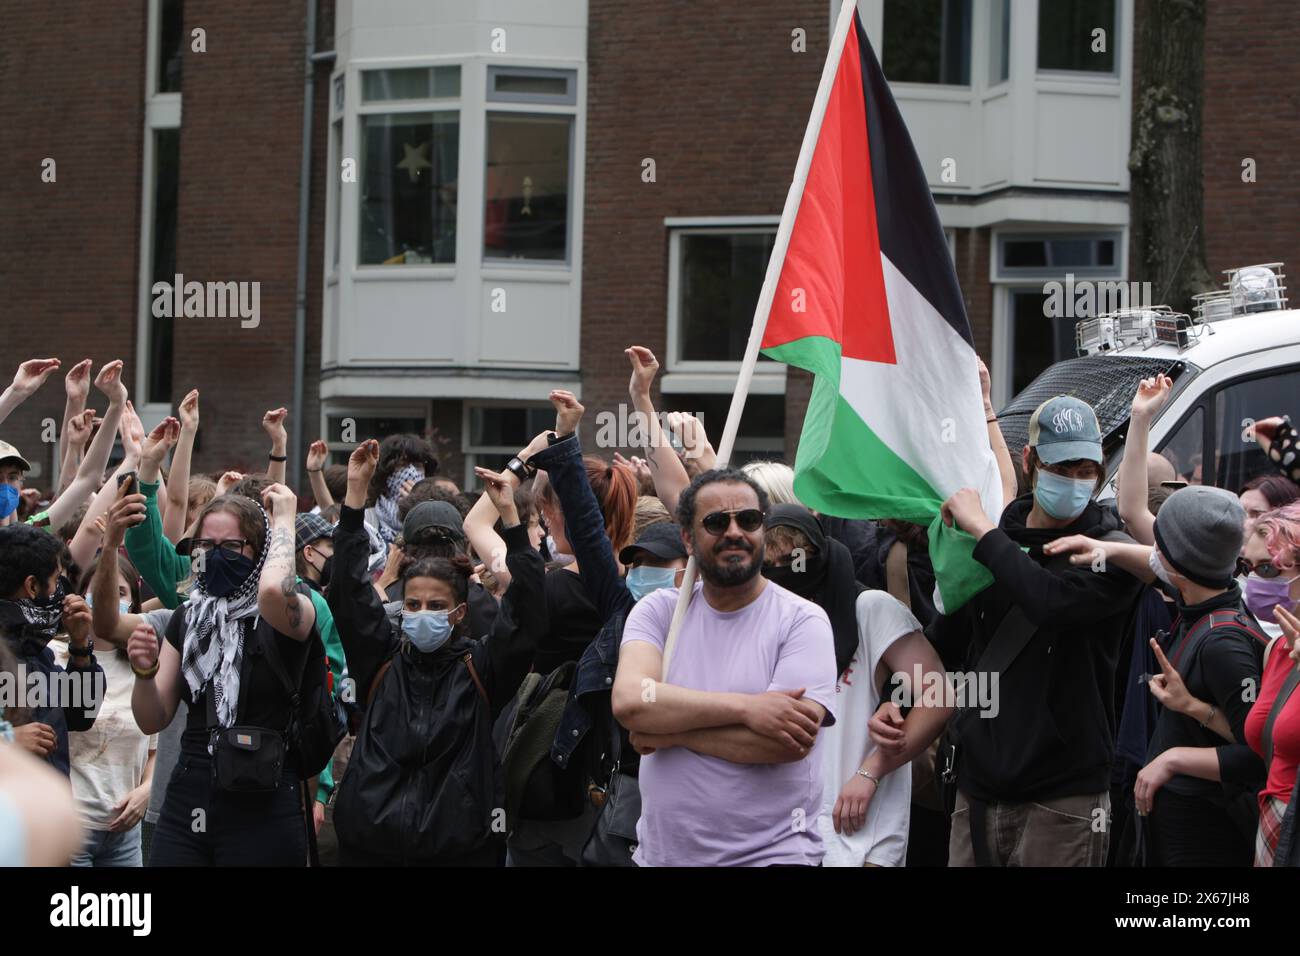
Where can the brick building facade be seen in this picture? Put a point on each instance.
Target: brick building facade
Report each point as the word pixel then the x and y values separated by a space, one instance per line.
pixel 716 96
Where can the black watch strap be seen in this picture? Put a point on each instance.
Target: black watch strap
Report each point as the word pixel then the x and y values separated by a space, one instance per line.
pixel 87 651
pixel 520 468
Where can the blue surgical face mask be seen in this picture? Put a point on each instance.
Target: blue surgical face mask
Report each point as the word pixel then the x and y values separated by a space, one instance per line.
pixel 427 630
pixel 123 605
pixel 644 580
pixel 1062 498
pixel 9 499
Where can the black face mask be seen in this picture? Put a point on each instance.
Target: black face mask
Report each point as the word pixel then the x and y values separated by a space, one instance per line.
pixel 326 572
pixel 788 578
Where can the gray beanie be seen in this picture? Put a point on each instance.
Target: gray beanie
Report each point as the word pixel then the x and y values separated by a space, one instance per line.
pixel 1199 532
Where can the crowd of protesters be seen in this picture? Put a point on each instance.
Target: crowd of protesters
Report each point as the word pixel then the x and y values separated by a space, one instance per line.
pixel 208 672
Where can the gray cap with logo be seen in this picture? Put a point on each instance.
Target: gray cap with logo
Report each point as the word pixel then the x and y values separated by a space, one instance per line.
pixel 1065 428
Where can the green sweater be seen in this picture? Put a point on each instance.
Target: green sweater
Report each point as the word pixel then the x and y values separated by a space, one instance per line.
pixel 162 569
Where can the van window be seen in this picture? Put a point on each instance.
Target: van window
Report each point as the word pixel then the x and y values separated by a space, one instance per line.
pixel 1238 457
pixel 1185 448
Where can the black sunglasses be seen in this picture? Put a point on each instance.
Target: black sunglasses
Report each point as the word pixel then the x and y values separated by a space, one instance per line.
pixel 1264 569
pixel 717 522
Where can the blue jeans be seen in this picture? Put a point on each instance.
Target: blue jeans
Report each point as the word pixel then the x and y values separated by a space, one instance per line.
pixel 111 848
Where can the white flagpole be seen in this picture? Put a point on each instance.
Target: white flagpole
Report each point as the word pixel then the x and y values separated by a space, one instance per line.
pixel 764 307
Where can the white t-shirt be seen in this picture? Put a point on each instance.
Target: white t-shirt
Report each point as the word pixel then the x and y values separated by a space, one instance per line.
pixel 882 619
pixel 108 759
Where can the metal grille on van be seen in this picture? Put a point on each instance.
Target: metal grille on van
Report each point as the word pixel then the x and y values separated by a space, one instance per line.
pixel 1106 382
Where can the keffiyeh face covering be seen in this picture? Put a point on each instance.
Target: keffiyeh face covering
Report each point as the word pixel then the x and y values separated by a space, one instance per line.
pixel 386 506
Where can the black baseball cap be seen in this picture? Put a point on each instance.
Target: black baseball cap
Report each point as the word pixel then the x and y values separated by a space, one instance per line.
pixel 663 540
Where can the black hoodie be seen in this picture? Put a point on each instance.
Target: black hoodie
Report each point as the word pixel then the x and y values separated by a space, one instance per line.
pixel 1054 731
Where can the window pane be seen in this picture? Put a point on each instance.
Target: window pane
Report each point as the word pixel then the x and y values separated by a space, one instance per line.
pixel 171 44
pixel 927 41
pixel 1037 340
pixel 508 426
pixel 1000 42
pixel 1237 459
pixel 1065 35
pixel 166 159
pixel 1071 252
pixel 418 83
pixel 762 423
pixel 1024 253
pixel 408 194
pixel 1185 448
pixel 721 277
pixel 414 84
pixel 534 85
pixel 527 209
pixel 336 132
pixel 364 428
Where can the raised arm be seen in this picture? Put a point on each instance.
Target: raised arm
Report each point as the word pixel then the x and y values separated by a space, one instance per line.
pixel 76 435
pixel 178 489
pixel 30 376
pixel 480 523
pixel 76 385
pixel 670 475
pixel 317 454
pixel 273 425
pixel 278 599
pixel 368 638
pixel 1006 467
pixel 1152 393
pixel 583 521
pixel 109 381
pixel 522 619
pixel 110 625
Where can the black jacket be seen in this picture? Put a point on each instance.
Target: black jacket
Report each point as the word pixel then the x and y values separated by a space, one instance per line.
pixel 1054 732
pixel 70 702
pixel 424 781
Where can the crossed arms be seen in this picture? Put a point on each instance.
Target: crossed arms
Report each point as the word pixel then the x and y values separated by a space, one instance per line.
pixel 771 727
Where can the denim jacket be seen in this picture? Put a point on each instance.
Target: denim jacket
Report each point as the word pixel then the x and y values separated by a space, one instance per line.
pixel 584 526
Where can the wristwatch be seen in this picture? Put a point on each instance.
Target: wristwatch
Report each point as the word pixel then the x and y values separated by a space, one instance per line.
pixel 523 470
pixel 87 651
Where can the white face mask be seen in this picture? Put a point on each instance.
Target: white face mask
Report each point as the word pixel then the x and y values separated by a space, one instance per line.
pixel 1158 568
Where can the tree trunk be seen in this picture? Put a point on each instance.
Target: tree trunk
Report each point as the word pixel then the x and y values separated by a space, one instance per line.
pixel 1167 203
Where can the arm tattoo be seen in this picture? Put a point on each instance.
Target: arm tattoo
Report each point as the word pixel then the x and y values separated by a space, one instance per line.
pixel 293 604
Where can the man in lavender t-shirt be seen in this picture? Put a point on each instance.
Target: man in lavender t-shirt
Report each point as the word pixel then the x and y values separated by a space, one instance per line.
pixel 732 772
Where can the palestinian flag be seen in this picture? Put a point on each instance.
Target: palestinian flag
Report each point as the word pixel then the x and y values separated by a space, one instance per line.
pixel 867 299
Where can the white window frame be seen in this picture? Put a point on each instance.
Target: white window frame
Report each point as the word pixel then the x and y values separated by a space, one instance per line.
pixel 162 112
pixel 1005 283
pixel 354 115
pixel 471 452
pixel 684 375
pixel 535 106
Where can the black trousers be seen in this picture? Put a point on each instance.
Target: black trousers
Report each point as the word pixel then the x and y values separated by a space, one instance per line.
pixel 202 827
pixel 1191 831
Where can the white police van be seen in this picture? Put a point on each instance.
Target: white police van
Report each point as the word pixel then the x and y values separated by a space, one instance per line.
pixel 1237 360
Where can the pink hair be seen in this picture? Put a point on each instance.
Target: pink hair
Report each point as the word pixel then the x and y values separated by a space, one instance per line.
pixel 1281 528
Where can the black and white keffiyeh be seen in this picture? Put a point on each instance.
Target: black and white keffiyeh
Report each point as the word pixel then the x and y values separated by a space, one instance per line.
pixel 386 505
pixel 213 644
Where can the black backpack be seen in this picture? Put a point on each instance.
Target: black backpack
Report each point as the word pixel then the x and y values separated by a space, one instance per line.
pixel 535 787
pixel 316 721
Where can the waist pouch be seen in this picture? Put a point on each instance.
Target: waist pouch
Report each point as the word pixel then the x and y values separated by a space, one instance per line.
pixel 247 759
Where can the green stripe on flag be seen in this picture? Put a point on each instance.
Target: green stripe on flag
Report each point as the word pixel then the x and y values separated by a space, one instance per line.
pixel 842 468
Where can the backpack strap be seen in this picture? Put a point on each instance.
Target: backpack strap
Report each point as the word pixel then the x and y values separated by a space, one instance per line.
pixel 292 691
pixel 1279 702
pixel 374 681
pixel 468 658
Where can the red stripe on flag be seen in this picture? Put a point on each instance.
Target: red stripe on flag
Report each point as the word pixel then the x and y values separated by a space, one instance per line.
pixel 832 267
